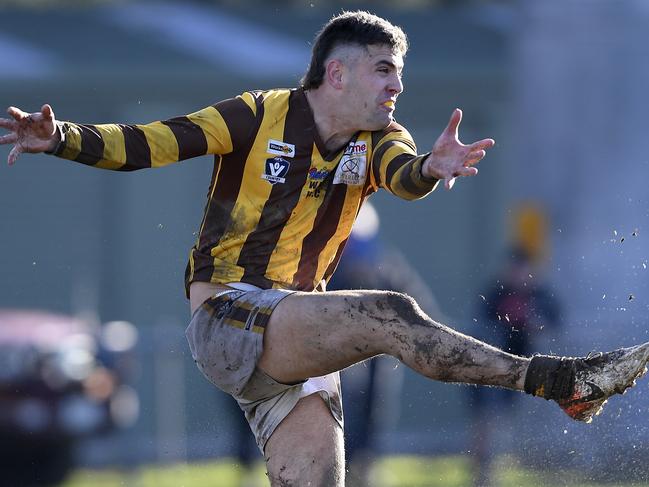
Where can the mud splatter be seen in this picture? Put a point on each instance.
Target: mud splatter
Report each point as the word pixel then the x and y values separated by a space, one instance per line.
pixel 443 354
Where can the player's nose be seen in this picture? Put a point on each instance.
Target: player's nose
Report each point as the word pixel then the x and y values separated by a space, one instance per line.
pixel 396 85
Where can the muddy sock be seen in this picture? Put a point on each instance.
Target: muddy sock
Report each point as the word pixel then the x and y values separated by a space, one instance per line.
pixel 550 377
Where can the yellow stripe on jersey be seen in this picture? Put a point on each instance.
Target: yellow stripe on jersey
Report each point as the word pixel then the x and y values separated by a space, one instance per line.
pixel 397 185
pixel 416 178
pixel 114 155
pixel 72 146
pixel 215 129
pixel 249 100
pixel 395 149
pixel 161 142
pixel 283 261
pixel 249 204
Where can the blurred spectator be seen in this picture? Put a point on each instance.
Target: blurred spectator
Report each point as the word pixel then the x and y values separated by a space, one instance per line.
pixel 372 388
pixel 63 379
pixel 517 310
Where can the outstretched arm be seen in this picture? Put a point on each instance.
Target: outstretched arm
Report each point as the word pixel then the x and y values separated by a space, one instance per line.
pixel 450 158
pixel 31 133
pixel 397 167
pixel 217 129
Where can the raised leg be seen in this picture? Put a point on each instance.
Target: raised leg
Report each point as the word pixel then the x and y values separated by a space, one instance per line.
pixel 313 334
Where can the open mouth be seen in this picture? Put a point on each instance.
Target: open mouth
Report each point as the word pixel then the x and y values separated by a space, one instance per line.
pixel 388 104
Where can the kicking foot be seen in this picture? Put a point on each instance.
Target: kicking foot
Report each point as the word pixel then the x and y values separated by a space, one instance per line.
pixel 581 386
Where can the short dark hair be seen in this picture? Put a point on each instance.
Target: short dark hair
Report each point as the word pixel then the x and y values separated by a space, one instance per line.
pixel 358 28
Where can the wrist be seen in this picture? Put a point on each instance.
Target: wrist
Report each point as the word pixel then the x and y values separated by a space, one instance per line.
pixel 426 172
pixel 55 142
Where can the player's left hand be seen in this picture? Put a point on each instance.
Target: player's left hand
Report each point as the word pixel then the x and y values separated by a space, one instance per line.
pixel 450 158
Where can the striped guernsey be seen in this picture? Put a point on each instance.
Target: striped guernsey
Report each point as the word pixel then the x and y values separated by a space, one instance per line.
pixel 281 206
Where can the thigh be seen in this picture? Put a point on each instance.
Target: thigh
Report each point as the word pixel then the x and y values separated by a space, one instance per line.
pixel 225 335
pixel 307 447
pixel 314 334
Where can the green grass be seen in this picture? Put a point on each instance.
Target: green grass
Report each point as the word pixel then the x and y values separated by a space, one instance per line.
pixel 396 471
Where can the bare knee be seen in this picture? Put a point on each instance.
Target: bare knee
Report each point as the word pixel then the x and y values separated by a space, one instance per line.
pixel 401 318
pixel 306 449
pixel 390 308
pixel 406 308
pixel 384 306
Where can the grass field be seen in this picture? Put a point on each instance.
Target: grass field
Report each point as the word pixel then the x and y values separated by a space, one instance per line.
pixel 398 471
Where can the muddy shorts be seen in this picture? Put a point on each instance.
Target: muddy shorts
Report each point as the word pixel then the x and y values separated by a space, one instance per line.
pixel 226 340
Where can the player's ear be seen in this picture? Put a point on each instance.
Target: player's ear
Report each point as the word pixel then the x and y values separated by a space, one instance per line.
pixel 334 73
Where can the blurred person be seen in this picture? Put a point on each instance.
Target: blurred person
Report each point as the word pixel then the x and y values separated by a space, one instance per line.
pixel 518 304
pixel 292 169
pixel 517 309
pixel 372 388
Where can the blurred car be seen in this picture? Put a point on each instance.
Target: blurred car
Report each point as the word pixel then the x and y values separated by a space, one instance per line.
pixel 61 379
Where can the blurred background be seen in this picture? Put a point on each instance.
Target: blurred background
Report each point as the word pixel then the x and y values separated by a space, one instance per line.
pixel 560 85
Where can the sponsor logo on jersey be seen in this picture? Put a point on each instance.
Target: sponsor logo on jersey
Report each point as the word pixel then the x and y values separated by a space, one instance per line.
pixel 316 177
pixel 275 170
pixel 316 174
pixel 357 148
pixel 352 167
pixel 280 148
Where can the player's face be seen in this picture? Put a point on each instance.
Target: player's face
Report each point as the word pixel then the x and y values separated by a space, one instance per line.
pixel 374 85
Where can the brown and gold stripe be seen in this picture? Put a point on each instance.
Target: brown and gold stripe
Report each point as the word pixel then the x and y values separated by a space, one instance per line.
pixel 256 251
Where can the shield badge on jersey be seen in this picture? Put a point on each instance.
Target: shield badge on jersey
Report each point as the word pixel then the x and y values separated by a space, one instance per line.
pixel 275 170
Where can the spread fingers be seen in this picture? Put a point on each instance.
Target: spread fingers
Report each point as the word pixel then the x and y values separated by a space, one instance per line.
pixel 5 123
pixel 9 138
pixel 13 154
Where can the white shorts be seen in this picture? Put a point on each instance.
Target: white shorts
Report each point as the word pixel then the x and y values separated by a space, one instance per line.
pixel 225 336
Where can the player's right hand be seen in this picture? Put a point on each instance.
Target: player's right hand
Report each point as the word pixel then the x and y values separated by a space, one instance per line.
pixel 35 132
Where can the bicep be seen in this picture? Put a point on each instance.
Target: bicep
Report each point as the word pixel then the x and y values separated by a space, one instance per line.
pixel 228 124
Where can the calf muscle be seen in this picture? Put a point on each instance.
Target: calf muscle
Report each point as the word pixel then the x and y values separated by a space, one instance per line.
pixel 313 334
pixel 444 354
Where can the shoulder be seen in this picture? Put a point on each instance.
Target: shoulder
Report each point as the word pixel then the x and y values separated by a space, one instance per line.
pixel 394 132
pixel 266 97
pixel 393 127
pixel 251 102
